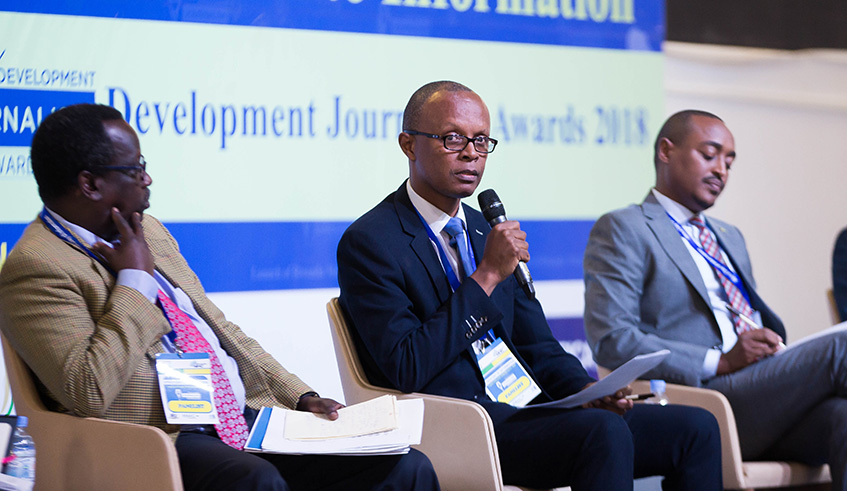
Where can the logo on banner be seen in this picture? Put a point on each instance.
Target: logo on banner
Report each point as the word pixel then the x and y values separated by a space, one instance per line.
pixel 27 95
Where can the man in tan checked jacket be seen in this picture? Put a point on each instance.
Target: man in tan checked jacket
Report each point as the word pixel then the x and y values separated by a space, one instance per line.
pixel 78 303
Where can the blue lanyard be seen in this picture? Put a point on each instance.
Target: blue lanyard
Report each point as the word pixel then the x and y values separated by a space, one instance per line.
pixel 66 235
pixel 63 233
pixel 714 262
pixel 445 262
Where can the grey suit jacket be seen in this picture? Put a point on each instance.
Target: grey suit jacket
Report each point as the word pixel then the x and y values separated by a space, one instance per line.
pixel 643 292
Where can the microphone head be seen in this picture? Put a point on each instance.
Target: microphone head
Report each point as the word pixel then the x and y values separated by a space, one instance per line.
pixel 490 205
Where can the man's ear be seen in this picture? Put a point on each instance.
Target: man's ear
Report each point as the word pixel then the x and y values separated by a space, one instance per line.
pixel 665 147
pixel 88 184
pixel 407 144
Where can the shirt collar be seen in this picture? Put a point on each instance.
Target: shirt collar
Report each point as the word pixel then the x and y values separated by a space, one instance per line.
pixel 432 215
pixel 88 237
pixel 678 212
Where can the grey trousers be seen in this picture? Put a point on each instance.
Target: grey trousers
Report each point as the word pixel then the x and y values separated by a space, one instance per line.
pixel 793 405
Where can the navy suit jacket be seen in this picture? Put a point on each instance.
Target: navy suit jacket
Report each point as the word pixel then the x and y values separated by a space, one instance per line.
pixel 414 334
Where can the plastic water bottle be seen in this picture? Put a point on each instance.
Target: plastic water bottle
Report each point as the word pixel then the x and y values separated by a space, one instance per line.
pixel 23 448
pixel 657 387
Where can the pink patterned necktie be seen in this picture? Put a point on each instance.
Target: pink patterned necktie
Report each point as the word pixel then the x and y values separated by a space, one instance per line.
pixel 736 298
pixel 232 428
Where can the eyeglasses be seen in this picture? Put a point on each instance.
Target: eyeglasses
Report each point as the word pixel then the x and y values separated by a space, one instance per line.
pixel 134 171
pixel 457 143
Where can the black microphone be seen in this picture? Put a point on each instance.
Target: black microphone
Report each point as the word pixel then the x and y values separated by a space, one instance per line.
pixel 494 211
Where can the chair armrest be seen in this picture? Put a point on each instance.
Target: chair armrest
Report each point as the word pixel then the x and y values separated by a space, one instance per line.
pixel 458 438
pixel 717 404
pixel 93 453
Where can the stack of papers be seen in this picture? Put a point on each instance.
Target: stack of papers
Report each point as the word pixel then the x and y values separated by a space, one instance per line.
pixel 381 426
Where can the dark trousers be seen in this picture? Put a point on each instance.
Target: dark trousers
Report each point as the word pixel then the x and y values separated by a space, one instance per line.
pixel 594 449
pixel 207 463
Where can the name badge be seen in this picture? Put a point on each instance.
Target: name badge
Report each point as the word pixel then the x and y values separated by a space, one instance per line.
pixel 185 383
pixel 506 380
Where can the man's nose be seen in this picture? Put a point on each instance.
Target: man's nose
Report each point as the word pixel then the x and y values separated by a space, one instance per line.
pixel 721 167
pixel 469 152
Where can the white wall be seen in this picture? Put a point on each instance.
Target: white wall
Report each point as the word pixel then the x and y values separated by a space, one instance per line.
pixel 788 113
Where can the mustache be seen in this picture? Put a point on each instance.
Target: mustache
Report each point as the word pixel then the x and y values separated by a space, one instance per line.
pixel 716 180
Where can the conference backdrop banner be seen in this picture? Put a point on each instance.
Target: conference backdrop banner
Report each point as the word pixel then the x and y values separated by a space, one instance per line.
pixel 269 127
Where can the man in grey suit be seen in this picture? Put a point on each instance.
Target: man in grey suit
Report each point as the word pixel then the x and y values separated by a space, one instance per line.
pixel 662 275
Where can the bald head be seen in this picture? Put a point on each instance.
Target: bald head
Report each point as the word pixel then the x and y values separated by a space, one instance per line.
pixel 412 113
pixel 677 128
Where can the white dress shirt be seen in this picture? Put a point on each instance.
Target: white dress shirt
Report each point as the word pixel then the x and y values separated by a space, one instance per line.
pixel 437 220
pixel 717 294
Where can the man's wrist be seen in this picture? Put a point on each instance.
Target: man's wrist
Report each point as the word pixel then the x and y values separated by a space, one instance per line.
pixel 303 397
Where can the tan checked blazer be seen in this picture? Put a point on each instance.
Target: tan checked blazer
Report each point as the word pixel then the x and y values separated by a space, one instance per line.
pixel 92 344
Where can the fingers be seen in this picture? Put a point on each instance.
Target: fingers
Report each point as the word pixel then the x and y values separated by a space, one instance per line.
pixel 772 337
pixel 515 239
pixel 320 405
pixel 121 224
pixel 104 251
pixel 761 339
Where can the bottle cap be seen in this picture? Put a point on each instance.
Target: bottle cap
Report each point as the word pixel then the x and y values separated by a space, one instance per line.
pixel 22 421
pixel 657 386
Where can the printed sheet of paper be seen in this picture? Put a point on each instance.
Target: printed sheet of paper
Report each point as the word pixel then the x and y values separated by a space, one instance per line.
pixel 268 435
pixel 373 416
pixel 830 330
pixel 621 377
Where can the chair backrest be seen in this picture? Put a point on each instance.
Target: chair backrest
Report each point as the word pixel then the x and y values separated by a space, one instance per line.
pixel 354 382
pixel 24 393
pixel 834 315
pixel 75 453
pixel 458 435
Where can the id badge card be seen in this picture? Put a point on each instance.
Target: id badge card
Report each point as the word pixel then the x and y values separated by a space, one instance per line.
pixel 506 380
pixel 185 383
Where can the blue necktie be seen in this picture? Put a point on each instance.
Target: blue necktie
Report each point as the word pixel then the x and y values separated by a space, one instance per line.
pixel 456 230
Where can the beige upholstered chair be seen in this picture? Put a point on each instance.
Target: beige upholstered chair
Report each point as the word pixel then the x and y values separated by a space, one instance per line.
pixel 458 435
pixel 737 474
pixel 76 453
pixel 833 307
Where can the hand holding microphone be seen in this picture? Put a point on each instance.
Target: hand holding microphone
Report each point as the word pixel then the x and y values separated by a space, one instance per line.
pixel 495 213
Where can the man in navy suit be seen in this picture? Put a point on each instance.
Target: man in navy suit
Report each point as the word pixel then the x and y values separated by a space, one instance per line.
pixel 428 299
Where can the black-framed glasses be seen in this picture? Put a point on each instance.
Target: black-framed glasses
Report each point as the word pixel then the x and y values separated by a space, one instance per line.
pixel 457 143
pixel 134 171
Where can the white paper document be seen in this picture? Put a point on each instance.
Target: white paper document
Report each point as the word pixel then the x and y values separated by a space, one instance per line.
pixel 623 376
pixel 836 328
pixel 373 416
pixel 269 434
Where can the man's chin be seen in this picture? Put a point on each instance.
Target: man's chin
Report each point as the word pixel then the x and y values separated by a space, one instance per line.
pixel 704 205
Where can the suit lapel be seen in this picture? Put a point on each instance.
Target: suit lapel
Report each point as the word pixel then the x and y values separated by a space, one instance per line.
pixel 731 248
pixel 667 236
pixel 419 241
pixel 108 278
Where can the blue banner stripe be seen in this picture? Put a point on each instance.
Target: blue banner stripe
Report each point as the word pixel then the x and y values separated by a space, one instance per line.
pixel 21 111
pixel 614 24
pixel 295 255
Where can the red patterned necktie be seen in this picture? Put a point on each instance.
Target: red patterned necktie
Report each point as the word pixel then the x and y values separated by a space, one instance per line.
pixel 736 298
pixel 232 428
